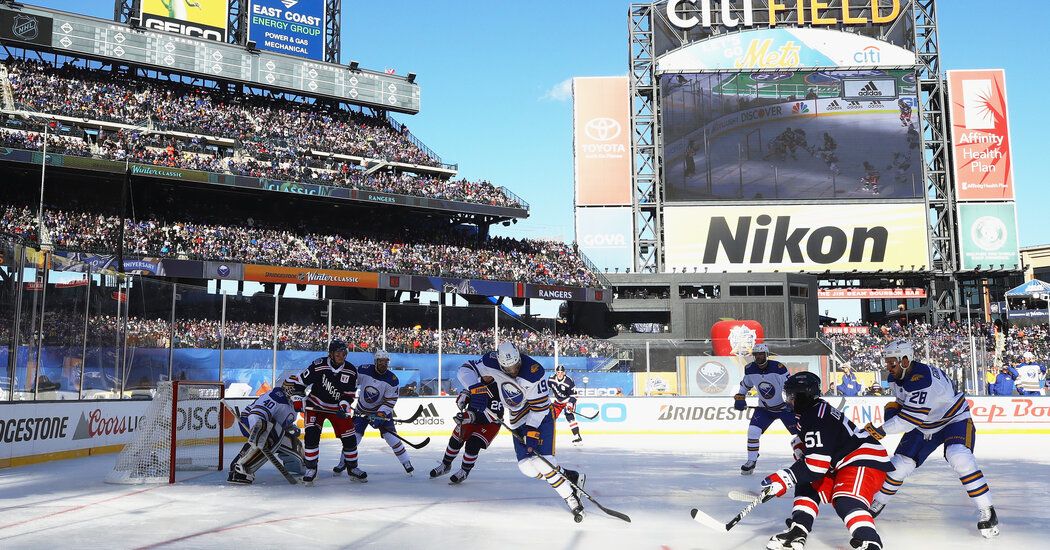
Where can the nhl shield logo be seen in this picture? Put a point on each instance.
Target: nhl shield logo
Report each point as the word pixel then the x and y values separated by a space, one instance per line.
pixel 712 378
pixel 742 339
pixel 25 27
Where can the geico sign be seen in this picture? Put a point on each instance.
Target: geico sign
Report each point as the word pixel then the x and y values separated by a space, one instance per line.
pixel 181 27
pixel 790 242
pixel 807 12
pixel 608 412
pixel 604 239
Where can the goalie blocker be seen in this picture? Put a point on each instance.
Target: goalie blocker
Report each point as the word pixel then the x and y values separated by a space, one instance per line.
pixel 269 425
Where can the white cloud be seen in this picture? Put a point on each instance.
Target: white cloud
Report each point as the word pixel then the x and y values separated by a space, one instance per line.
pixel 561 91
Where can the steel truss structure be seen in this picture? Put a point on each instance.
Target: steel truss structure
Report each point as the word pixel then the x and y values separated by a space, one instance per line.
pixel 646 148
pixel 123 10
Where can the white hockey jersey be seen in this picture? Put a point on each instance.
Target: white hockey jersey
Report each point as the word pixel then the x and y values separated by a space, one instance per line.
pixel 525 396
pixel 927 401
pixel 768 382
pixel 275 407
pixel 1030 377
pixel 376 392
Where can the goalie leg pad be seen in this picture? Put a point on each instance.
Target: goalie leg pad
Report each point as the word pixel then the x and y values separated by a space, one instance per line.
pixel 290 453
pixel 249 460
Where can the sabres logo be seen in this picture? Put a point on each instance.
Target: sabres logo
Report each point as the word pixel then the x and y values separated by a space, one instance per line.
pixel 916 378
pixel 512 395
pixel 766 390
pixel 371 394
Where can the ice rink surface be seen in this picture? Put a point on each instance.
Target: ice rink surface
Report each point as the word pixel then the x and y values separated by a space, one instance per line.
pixel 654 479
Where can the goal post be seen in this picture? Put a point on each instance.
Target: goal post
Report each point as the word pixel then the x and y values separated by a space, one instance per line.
pixel 753 144
pixel 182 429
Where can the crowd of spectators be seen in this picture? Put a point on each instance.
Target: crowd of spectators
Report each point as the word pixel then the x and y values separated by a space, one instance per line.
pixel 946 346
pixel 449 254
pixel 104 331
pixel 273 139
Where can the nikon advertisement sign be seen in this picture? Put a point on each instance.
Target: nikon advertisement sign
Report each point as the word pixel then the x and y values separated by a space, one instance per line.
pixel 196 18
pixel 862 237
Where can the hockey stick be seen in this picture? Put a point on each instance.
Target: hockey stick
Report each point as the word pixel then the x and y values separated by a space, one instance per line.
pixel 419 412
pixel 610 511
pixel 266 452
pixel 419 445
pixel 742 496
pixel 577 413
pixel 712 523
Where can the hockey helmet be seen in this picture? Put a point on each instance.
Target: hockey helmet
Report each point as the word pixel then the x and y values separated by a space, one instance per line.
pixel 336 346
pixel 509 358
pixel 559 368
pixel 802 389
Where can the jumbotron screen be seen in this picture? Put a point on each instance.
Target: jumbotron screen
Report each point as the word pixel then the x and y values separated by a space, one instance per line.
pixel 835 134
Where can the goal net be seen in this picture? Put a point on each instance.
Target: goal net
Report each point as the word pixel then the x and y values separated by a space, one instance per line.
pixel 181 430
pixel 753 145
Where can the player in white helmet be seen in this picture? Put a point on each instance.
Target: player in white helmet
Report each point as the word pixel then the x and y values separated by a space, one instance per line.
pixel 767 377
pixel 522 388
pixel 931 413
pixel 377 392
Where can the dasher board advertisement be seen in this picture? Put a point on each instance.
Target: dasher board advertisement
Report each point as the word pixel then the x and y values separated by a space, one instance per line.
pixel 794 238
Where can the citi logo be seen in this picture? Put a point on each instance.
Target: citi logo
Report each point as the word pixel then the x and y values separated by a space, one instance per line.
pixel 871 54
pixel 603 129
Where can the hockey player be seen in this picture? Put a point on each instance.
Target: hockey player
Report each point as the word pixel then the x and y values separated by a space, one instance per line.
pixel 905 112
pixel 376 396
pixel 332 382
pixel 1030 376
pixel 835 463
pixel 477 423
pixel 269 425
pixel 930 413
pixel 522 388
pixel 564 390
pixel 767 377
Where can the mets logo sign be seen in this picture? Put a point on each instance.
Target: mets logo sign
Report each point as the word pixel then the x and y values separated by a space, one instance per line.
pixel 512 394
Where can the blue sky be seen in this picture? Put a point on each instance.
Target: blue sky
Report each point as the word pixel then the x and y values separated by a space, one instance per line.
pixel 495 73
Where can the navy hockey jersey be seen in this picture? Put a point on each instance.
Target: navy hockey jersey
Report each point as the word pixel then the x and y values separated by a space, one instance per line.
pixel 768 381
pixel 328 385
pixel 831 442
pixel 563 390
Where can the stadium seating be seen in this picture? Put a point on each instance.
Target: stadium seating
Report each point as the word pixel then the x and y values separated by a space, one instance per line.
pixel 180 126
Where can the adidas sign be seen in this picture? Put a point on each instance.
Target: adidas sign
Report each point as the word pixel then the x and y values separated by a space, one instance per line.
pixel 430 417
pixel 875 105
pixel 834 106
pixel 853 106
pixel 870 90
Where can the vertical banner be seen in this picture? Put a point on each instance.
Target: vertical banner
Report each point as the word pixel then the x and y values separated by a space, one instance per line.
pixel 604 235
pixel 980 134
pixel 289 27
pixel 988 236
pixel 602 141
pixel 196 18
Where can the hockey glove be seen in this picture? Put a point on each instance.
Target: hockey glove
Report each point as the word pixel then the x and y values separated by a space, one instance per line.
pixel 892 408
pixel 779 482
pixel 462 400
pixel 571 405
pixel 877 433
pixel 739 403
pixel 465 417
pixel 797 448
pixel 479 396
pixel 344 409
pixel 532 440
pixel 378 420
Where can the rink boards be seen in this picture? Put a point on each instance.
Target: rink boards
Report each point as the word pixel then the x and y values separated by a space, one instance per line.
pixel 37 432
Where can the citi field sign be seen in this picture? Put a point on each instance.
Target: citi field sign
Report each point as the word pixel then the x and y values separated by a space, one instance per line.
pixel 687 14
